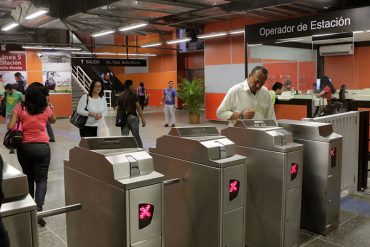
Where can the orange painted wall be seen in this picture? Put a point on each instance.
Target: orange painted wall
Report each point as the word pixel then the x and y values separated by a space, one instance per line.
pixel 62 104
pixel 350 70
pixel 34 67
pixel 212 101
pixel 295 112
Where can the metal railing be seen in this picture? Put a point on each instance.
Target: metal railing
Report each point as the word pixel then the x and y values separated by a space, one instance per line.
pixel 82 78
pixel 347 125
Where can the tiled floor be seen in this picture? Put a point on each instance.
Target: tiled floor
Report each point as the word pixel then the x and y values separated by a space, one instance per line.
pixel 355 210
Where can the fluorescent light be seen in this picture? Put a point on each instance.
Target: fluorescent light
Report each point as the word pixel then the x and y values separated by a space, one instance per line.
pixel 253 45
pixel 235 32
pixel 320 35
pixel 36 14
pixel 175 41
pixel 211 35
pixel 358 32
pixel 51 48
pixel 368 31
pixel 288 40
pixel 9 26
pixel 133 26
pixel 115 54
pixel 102 33
pixel 151 45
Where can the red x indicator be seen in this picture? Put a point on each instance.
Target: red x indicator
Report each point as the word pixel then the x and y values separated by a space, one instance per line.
pixel 293 171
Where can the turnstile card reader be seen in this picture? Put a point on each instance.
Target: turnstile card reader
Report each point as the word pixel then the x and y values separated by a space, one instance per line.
pixel 322 174
pixel 18 211
pixel 120 193
pixel 206 208
pixel 274 182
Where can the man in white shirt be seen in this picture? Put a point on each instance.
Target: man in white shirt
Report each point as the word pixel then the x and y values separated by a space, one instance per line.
pixel 248 100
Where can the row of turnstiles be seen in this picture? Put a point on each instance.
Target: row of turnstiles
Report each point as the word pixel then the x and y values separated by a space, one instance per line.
pixel 255 184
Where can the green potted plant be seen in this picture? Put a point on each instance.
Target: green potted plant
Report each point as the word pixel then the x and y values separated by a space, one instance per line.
pixel 191 93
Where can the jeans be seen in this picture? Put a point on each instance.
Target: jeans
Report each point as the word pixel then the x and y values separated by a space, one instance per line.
pixel 89 131
pixel 169 110
pixel 35 160
pixel 133 125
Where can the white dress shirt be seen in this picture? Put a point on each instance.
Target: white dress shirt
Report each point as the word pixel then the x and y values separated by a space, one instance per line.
pixel 240 98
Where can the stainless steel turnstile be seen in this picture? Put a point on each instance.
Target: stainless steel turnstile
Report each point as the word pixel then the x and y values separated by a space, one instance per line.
pixel 18 213
pixel 206 207
pixel 120 193
pixel 274 182
pixel 321 176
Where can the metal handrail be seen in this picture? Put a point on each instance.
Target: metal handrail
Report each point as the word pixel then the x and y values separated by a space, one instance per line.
pixel 83 79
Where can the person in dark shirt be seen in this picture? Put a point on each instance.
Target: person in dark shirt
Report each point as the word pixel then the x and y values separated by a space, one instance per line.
pixel 20 84
pixel 128 101
pixel 4 238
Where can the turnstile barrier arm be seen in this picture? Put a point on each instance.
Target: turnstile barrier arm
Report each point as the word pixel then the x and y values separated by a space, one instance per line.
pixel 61 210
pixel 172 181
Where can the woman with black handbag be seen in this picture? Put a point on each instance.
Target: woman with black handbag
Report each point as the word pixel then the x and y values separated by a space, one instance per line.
pixel 34 152
pixel 94 106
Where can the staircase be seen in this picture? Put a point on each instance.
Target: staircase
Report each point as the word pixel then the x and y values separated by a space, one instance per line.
pixel 77 92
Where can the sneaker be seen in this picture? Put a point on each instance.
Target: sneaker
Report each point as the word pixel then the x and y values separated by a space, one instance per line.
pixel 11 151
pixel 41 222
pixel 166 125
pixel 173 125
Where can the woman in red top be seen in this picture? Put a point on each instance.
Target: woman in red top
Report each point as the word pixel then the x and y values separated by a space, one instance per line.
pixel 327 88
pixel 34 154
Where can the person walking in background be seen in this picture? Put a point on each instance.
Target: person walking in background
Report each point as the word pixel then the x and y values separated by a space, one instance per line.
pixel 49 129
pixel 94 106
pixel 128 102
pixel 34 153
pixel 142 95
pixel 277 89
pixel 4 238
pixel 20 85
pixel 13 97
pixel 1 83
pixel 169 98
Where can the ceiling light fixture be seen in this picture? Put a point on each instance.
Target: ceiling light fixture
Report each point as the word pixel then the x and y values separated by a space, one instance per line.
pixel 176 41
pixel 211 35
pixel 37 14
pixel 9 26
pixel 235 32
pixel 368 31
pixel 288 40
pixel 102 33
pixel 51 48
pixel 325 34
pixel 251 45
pixel 151 45
pixel 355 32
pixel 115 54
pixel 133 26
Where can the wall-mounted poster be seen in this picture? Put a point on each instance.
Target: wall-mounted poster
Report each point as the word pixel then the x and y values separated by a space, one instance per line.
pixel 12 62
pixel 56 71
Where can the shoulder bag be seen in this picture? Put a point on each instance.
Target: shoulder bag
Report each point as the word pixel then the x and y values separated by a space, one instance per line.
pixel 78 120
pixel 13 138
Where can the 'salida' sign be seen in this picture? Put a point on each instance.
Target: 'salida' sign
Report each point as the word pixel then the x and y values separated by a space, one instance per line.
pixel 334 22
pixel 108 62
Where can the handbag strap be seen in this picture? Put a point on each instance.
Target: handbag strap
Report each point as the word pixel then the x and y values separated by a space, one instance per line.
pixel 87 101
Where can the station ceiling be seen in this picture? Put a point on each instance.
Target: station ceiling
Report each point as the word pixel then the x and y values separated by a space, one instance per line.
pixel 89 16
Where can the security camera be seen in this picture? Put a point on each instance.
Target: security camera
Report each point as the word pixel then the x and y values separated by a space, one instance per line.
pixel 39 54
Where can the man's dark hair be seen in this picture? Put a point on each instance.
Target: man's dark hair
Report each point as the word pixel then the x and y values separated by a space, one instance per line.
pixel 17 74
pixel 263 69
pixel 277 85
pixel 8 86
pixel 128 83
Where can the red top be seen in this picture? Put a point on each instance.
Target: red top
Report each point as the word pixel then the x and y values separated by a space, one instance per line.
pixel 327 94
pixel 34 126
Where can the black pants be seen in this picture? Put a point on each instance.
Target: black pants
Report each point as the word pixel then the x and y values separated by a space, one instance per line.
pixel 35 160
pixel 89 131
pixel 142 101
pixel 4 238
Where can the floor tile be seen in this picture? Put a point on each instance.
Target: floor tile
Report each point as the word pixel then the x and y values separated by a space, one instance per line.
pixel 49 239
pixel 321 243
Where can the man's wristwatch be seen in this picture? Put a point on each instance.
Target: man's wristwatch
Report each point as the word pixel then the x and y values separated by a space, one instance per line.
pixel 241 115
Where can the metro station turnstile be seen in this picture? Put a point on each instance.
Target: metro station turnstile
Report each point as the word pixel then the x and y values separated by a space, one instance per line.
pixel 274 182
pixel 206 207
pixel 120 194
pixel 322 174
pixel 18 211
